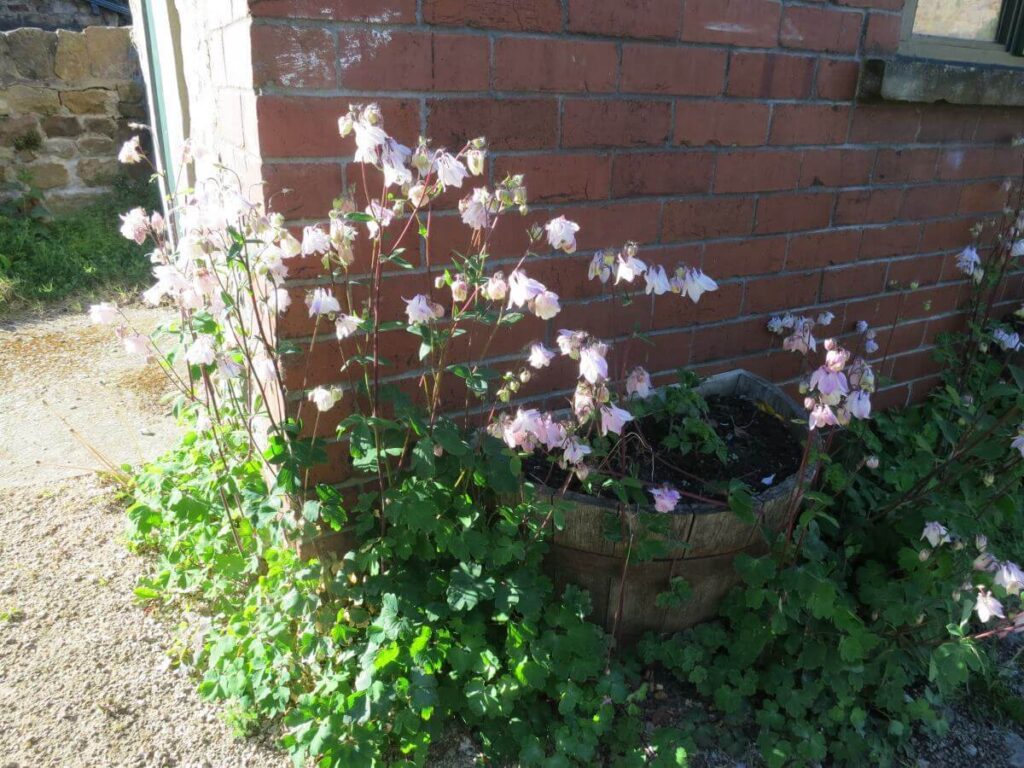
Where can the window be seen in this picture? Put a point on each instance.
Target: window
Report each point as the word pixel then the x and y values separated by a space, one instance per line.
pixel 979 31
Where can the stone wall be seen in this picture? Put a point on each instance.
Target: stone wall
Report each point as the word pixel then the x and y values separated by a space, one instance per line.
pixel 65 101
pixel 55 14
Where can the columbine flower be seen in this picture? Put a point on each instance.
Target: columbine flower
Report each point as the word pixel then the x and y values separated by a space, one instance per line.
pixel 871 462
pixel 202 351
pixel 822 416
pixel 324 399
pixel 628 269
pixel 103 313
pixel 320 302
pixel 638 383
pixel 136 344
pixel 1017 250
pixel 987 606
pixel 1010 577
pixel 593 366
pixel 693 283
pixel 418 195
pixel 801 339
pixel 496 289
pixel 862 326
pixel 475 161
pixel 545 305
pixel 583 401
pixel 228 368
pixel 570 342
pixel 540 356
pixel 666 498
pixel 775 325
pixel 936 533
pixel 476 209
pixel 315 240
pixel 657 281
pixel 393 159
pixel 1009 342
pixel 380 218
pixel 460 288
pixel 562 234
pixel 575 450
pixel 601 266
pixel 280 300
pixel 346 325
pixel 826 318
pixel 859 406
pixel 969 263
pixel 1018 442
pixel 523 430
pixel 870 346
pixel 523 289
pixel 613 419
pixel 135 225
pixel 450 172
pixel 131 152
pixel 829 382
pixel 369 140
pixel 420 309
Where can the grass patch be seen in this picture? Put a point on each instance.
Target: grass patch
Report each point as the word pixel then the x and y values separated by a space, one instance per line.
pixel 49 259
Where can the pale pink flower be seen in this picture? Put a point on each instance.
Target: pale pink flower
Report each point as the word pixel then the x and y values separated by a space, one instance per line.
pixel 801 339
pixel 985 562
pixel 657 281
pixel 1010 577
pixel 202 351
pixel 137 344
pixel 583 401
pixel 476 209
pixel 135 225
pixel 450 172
pixel 593 365
pixel 157 223
pixel 289 245
pixel 475 161
pixel 496 289
pixel 562 234
pixel 131 152
pixel 575 450
pixel 613 419
pixel 280 300
pixel 861 326
pixel 369 140
pixel 381 218
pixel 545 305
pixel 601 266
pixel 570 342
pixel 420 309
pixel 1007 341
pixel 775 325
pixel 1018 442
pixel 666 498
pixel 540 356
pixel 936 533
pixel 822 416
pixel 628 269
pixel 393 159
pixel 638 383
pixel 418 195
pixel 829 382
pixel 460 288
pixel 859 404
pixel 988 606
pixel 871 462
pixel 523 289
pixel 550 432
pixel 346 325
pixel 522 431
pixel 836 357
pixel 104 313
pixel 694 283
pixel 321 302
pixel 870 346
pixel 315 240
pixel 324 398
pixel 826 318
pixel 228 368
pixel 969 263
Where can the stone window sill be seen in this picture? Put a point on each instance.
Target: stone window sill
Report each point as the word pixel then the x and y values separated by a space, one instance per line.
pixel 930 81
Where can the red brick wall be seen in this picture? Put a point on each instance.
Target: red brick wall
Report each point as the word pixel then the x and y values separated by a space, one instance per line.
pixel 722 133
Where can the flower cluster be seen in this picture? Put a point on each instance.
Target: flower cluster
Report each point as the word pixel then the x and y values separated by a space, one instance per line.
pixel 626 268
pixel 969 263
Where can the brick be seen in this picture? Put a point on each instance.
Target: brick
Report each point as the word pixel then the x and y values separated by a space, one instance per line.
pixel 946 235
pixel 923 270
pixel 756 171
pixel 846 282
pixel 676 71
pixel 369 60
pixel 293 57
pixel 772 294
pixel 625 18
pixel 559 178
pixel 748 23
pixel 313 188
pixel 726 341
pixel 662 173
pixel 930 202
pixel 529 64
pixel 885 123
pixel 520 16
pixel 820 29
pixel 770 75
pixel 615 123
pixel 757 256
pixel 949 123
pixel 882 5
pixel 614 224
pixel 836 167
pixel 973 163
pixel 868 206
pixel 393 11
pixel 809 124
pixel 899 166
pixel 997 125
pixel 507 123
pixel 292 126
pixel 714 307
pixel 891 240
pixel 883 33
pixel 721 123
pixel 983 197
pixel 793 212
pixel 707 218
pixel 934 300
pixel 837 79
pixel 821 249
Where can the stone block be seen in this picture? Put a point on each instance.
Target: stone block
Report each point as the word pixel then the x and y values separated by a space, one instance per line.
pixel 71 62
pixel 31 100
pixel 111 55
pixel 48 175
pixel 68 201
pixel 102 125
pixel 61 125
pixel 93 146
pixel 98 172
pixel 62 148
pixel 13 127
pixel 32 51
pixel 8 69
pixel 131 92
pixel 134 111
pixel 91 101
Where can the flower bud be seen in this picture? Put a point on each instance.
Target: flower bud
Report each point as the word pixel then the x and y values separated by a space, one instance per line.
pixel 478 143
pixel 924 554
pixel 989 480
pixel 525 377
pixel 915 285
pixel 504 395
pixel 871 462
pixel 513 386
pixel 345 125
pixel 439 281
pixel 475 161
pixel 438 451
pixel 460 288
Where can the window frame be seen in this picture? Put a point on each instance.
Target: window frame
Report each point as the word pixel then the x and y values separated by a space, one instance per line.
pixel 951 48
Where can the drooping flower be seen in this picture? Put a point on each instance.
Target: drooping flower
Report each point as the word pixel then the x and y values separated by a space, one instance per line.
pixel 522 431
pixel 1010 577
pixel 639 383
pixel 775 325
pixel 202 351
pixel 135 225
pixel 600 267
pixel 575 450
pixel 826 318
pixel 613 419
pixel 583 400
pixel 540 356
pixel 324 398
pixel 822 416
pixel 369 140
pixel 475 161
pixel 1017 249
pixel 936 533
pixel 321 302
pixel 381 217
pixel 562 234
pixel 862 326
pixel 476 208
pixel 657 281
pixel 859 404
pixel 593 365
pixel 103 313
pixel 871 462
pixel 570 342
pixel 314 241
pixel 829 382
pixel 137 344
pixel 1018 442
pixel 551 432
pixel 545 305
pixel 346 325
pixel 801 340
pixel 666 498
pixel 628 269
pixel 131 152
pixel 496 289
pixel 987 606
pixel 969 263
pixel 420 309
pixel 693 282
pixel 228 368
pixel 280 299
pixel 418 195
pixel 450 172
pixel 1007 341
pixel 460 288
pixel 523 289
pixel 870 346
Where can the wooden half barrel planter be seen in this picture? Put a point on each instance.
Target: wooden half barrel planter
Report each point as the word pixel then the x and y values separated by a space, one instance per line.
pixel 705 539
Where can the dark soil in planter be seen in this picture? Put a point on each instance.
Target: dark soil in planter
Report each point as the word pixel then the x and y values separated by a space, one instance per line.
pixel 760 446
